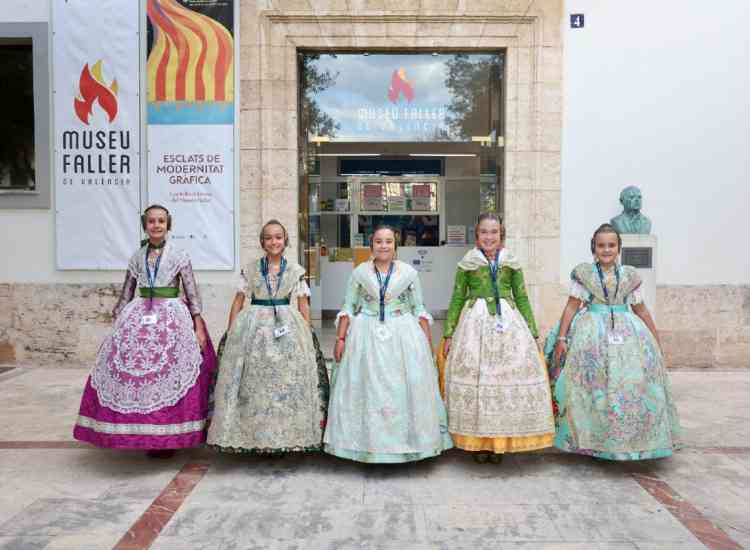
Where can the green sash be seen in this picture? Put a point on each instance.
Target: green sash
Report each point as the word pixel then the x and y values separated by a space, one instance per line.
pixel 159 292
pixel 270 303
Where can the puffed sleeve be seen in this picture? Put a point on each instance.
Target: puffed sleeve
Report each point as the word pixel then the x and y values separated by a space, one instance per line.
pixel 521 298
pixel 126 294
pixel 351 300
pixel 240 282
pixel 458 299
pixel 635 296
pixel 417 302
pixel 577 290
pixel 301 289
pixel 192 296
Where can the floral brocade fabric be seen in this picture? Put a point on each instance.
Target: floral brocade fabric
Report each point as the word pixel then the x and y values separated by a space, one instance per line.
pixel 496 383
pixel 385 400
pixel 613 394
pixel 271 392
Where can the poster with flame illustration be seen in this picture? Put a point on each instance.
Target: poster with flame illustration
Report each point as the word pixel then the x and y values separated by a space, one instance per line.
pixel 190 83
pixel 97 132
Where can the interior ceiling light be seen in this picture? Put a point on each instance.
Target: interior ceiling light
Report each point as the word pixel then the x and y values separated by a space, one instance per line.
pixel 442 154
pixel 347 154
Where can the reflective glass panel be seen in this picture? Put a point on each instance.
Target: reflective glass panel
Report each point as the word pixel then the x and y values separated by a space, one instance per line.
pixel 410 97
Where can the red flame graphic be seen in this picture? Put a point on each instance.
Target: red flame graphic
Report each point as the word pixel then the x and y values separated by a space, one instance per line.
pixel 93 89
pixel 400 85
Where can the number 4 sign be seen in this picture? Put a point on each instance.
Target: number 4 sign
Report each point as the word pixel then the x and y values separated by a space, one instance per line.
pixel 576 20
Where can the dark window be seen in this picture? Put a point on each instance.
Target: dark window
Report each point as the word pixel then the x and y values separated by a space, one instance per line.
pixel 17 156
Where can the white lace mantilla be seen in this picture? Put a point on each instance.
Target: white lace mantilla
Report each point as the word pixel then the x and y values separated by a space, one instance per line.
pixel 173 259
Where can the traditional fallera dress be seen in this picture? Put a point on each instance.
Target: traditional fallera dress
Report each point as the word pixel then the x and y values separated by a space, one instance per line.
pixel 149 386
pixel 612 391
pixel 385 402
pixel 271 393
pixel 495 380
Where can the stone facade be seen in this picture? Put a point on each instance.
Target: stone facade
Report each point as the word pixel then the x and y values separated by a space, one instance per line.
pixel 705 326
pixel 64 324
pixel 529 32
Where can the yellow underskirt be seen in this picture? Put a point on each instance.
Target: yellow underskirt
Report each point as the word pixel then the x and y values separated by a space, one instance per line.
pixel 503 444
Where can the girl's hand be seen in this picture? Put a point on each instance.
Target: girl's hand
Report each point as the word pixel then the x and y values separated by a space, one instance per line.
pixel 338 350
pixel 561 348
pixel 200 334
pixel 447 345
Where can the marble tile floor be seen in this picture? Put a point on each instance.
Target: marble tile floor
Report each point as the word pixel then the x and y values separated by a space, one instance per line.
pixel 57 494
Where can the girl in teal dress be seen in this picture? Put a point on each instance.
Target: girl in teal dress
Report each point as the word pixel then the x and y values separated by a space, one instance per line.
pixel 612 392
pixel 385 403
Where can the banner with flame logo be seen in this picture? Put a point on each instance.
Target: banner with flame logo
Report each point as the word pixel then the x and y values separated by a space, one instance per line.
pixel 97 139
pixel 190 83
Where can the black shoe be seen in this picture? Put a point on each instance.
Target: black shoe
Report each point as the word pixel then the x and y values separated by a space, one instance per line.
pixel 481 457
pixel 496 458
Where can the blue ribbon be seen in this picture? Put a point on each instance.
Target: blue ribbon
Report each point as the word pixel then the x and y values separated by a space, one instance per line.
pixel 494 269
pixel 265 273
pixel 383 288
pixel 606 292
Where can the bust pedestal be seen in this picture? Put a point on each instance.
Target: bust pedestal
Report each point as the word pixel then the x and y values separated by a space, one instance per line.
pixel 640 252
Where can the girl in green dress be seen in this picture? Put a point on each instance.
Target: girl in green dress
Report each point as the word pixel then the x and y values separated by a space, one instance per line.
pixel 496 387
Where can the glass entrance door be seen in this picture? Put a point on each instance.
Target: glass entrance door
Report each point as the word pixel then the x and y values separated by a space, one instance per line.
pixel 413 140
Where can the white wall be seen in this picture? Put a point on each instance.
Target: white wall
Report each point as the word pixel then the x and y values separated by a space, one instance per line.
pixel 657 94
pixel 26 11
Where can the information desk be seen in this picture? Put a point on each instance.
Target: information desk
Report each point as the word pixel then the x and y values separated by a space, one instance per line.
pixel 436 266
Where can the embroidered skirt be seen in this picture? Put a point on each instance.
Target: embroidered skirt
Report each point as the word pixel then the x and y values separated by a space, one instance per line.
pixel 495 385
pixel 149 386
pixel 614 400
pixel 271 394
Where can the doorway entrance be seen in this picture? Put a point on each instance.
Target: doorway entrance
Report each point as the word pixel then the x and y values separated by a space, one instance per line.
pixel 413 140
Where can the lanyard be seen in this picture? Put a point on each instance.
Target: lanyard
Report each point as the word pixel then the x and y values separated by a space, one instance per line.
pixel 383 287
pixel 494 270
pixel 152 280
pixel 265 273
pixel 606 292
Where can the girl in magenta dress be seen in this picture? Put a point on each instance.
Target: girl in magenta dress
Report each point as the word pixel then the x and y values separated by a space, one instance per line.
pixel 149 387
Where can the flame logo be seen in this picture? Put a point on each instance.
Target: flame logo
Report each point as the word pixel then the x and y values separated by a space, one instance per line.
pixel 93 88
pixel 400 85
pixel 192 55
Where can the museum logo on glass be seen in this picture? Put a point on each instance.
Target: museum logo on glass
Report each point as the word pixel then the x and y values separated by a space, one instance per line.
pixel 399 97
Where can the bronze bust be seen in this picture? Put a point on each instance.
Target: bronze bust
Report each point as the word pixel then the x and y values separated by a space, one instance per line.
pixel 631 220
